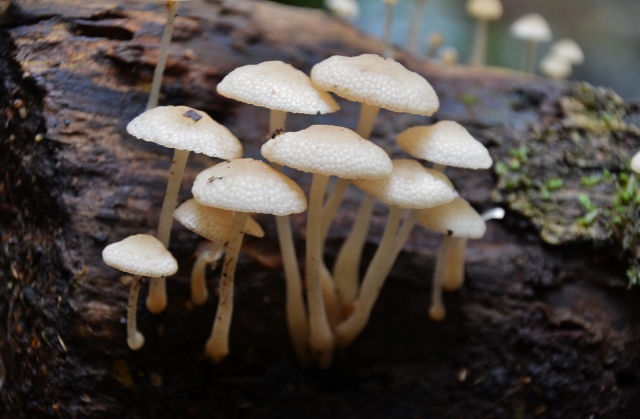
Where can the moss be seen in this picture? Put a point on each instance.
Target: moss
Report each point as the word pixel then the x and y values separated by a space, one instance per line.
pixel 571 177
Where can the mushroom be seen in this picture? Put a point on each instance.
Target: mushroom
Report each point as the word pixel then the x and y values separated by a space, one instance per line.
pixel 555 67
pixel 281 88
pixel 375 83
pixel 213 224
pixel 434 41
pixel 243 186
pixel 141 255
pixel 388 19
pixel 457 221
pixel 533 28
pixel 324 150
pixel 448 56
pixel 483 11
pixel 184 129
pixel 345 9
pixel 409 186
pixel 569 49
pixel 413 39
pixel 635 162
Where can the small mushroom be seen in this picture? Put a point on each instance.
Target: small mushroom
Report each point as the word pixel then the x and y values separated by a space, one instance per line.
pixel 483 11
pixel 635 162
pixel 413 39
pixel 141 255
pixel 533 28
pixel 555 67
pixel 569 49
pixel 345 9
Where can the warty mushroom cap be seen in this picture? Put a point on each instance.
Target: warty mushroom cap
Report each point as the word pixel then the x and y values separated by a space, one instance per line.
pixel 456 218
pixel 410 185
pixel 532 27
pixel 248 185
pixel 569 49
pixel 142 255
pixel 447 143
pixel 329 150
pixel 212 223
pixel 555 67
pixel 276 85
pixel 635 163
pixel 185 128
pixel 485 9
pixel 377 81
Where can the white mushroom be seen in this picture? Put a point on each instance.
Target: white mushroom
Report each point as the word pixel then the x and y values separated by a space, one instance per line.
pixel 533 28
pixel 184 129
pixel 635 162
pixel 569 49
pixel 555 67
pixel 483 11
pixel 139 255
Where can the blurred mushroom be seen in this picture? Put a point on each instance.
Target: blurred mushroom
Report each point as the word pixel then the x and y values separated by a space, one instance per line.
pixel 483 11
pixel 345 9
pixel 555 67
pixel 533 28
pixel 417 16
pixel 568 49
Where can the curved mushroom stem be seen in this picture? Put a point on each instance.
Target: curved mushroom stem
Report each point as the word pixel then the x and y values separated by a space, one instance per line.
pixel 296 311
pixel 321 337
pixel 479 52
pixel 172 11
pixel 330 296
pixel 199 293
pixel 454 270
pixel 437 311
pixel 413 41
pixel 346 270
pixel 217 347
pixel 530 60
pixel 135 339
pixel 157 298
pixel 371 284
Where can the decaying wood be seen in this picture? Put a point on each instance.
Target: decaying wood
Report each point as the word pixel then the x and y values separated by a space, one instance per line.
pixel 537 331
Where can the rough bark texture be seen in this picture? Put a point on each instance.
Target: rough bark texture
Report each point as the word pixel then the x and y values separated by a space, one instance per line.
pixel 537 331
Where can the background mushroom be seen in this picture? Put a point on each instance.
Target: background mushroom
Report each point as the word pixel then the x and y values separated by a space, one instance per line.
pixel 532 28
pixel 483 11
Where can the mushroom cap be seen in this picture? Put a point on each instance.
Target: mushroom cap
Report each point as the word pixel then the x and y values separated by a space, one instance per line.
pixel 212 223
pixel 346 9
pixel 447 143
pixel 377 81
pixel 532 26
pixel 485 9
pixel 185 128
pixel 329 150
pixel 248 185
pixel 635 162
pixel 456 218
pixel 276 85
pixel 410 185
pixel 569 49
pixel 555 67
pixel 142 255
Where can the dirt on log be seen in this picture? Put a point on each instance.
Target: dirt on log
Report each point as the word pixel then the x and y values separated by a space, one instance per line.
pixel 538 330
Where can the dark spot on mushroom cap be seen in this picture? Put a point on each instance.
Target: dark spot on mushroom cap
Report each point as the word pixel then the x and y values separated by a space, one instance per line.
pixel 193 115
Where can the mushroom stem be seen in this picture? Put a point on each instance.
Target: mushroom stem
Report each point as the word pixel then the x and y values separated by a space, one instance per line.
pixel 296 312
pixel 199 293
pixel 413 41
pixel 346 270
pixel 277 119
pixel 454 270
pixel 530 59
pixel 479 52
pixel 135 339
pixel 320 336
pixel 154 93
pixel 371 284
pixel 157 298
pixel 386 37
pixel 439 167
pixel 330 296
pixel 437 310
pixel 217 346
pixel 332 204
pixel 368 115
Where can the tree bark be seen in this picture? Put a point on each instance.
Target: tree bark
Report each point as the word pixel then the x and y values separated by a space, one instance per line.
pixel 544 326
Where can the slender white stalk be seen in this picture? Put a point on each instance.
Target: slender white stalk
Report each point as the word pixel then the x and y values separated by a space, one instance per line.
pixel 330 296
pixel 367 118
pixel 157 298
pixel 346 270
pixel 530 60
pixel 296 312
pixel 479 52
pixel 437 310
pixel 371 284
pixel 332 204
pixel 386 37
pixel 413 40
pixel 320 335
pixel 135 339
pixel 154 94
pixel 454 271
pixel 217 347
pixel 199 292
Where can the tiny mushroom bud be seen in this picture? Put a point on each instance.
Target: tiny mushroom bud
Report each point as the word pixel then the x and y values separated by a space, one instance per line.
pixel 139 255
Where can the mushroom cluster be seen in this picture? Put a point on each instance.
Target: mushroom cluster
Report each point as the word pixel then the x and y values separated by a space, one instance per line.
pixel 329 308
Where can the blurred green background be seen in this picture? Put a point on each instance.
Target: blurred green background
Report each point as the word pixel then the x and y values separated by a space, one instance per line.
pixel 607 30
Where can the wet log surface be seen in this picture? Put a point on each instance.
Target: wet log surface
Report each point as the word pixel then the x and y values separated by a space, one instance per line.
pixel 537 331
